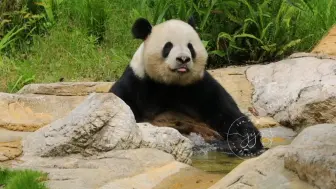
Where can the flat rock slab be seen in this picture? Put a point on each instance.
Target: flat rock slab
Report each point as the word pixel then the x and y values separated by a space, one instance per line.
pixel 77 172
pixel 30 112
pixel 189 178
pixel 297 91
pixel 10 150
pixel 67 88
pixel 147 180
pixel 10 136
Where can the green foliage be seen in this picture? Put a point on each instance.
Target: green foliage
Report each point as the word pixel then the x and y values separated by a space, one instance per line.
pixel 315 19
pixel 91 14
pixel 80 40
pixel 265 34
pixel 238 31
pixel 19 22
pixel 18 179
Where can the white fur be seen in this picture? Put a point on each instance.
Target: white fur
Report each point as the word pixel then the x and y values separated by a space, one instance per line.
pixel 148 57
pixel 137 63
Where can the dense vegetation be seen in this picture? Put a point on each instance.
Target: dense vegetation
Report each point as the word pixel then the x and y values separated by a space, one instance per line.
pixel 19 179
pixel 90 40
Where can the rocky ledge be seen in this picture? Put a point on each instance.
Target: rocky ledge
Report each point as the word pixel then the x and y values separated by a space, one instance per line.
pixel 297 91
pixel 308 162
pixel 102 123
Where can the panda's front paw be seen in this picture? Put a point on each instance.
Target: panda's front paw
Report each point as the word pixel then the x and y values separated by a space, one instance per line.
pixel 244 138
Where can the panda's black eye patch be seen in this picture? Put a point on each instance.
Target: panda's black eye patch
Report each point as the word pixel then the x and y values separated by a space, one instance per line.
pixel 166 49
pixel 192 50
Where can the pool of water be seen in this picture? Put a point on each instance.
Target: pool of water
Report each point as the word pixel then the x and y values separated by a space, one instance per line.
pixel 208 159
pixel 215 162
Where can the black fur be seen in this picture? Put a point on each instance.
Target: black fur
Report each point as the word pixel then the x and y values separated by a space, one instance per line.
pixel 192 50
pixel 141 28
pixel 205 99
pixel 192 22
pixel 166 49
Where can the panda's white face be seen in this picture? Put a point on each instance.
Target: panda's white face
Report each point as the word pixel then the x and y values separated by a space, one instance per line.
pixel 173 53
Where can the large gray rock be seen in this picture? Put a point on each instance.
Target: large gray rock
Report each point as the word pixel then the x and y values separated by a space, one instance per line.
pixel 30 112
pixel 78 172
pixel 103 122
pixel 297 91
pixel 313 156
pixel 308 162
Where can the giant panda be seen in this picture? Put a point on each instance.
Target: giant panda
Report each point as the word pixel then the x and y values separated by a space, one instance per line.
pixel 167 73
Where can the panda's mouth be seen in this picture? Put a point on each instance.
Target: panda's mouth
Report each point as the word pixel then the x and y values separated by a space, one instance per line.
pixel 181 69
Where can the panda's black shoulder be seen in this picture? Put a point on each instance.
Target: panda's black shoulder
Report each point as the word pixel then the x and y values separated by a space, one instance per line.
pixel 208 80
pixel 126 82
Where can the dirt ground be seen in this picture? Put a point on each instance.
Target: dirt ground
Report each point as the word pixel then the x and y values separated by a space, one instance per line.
pixel 328 44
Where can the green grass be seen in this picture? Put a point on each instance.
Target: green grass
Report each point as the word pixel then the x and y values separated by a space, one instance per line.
pixel 90 40
pixel 70 52
pixel 19 179
pixel 315 22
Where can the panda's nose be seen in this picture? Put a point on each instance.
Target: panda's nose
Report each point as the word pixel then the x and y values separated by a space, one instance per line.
pixel 183 59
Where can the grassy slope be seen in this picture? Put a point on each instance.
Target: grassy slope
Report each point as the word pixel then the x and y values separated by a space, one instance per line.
pixel 67 52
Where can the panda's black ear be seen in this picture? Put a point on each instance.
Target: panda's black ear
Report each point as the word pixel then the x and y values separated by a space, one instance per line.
pixel 141 28
pixel 191 22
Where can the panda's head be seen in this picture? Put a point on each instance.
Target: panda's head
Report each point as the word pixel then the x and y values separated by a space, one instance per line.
pixel 171 53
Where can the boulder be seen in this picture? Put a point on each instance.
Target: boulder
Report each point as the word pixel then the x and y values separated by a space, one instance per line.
pixel 296 91
pixel 66 88
pixel 313 156
pixel 30 112
pixel 101 123
pixel 308 162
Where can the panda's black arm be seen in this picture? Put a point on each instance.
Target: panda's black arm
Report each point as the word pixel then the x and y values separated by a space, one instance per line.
pixel 216 106
pixel 126 89
pixel 218 109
